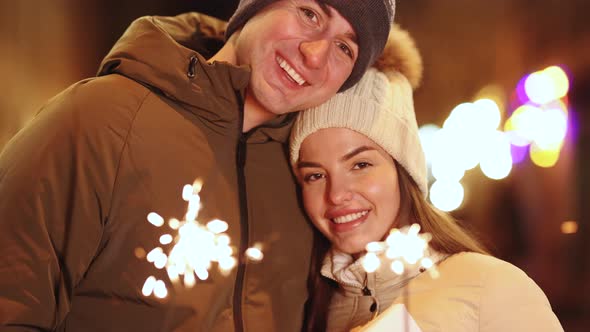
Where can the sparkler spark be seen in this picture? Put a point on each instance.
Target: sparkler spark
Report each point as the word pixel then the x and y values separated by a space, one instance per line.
pixel 195 246
pixel 403 247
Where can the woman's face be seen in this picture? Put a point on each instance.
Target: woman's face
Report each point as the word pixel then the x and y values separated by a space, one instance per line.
pixel 350 187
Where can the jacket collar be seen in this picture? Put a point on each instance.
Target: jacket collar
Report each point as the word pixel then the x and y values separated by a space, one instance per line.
pixel 352 277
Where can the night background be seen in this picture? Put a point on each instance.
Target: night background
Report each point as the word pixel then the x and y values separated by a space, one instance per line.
pixel 536 217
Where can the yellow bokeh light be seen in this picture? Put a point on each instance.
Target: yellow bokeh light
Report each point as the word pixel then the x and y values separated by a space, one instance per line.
pixel 569 227
pixel 560 81
pixel 549 84
pixel 543 158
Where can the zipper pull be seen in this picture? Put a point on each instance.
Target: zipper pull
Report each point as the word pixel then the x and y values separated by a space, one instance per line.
pixel 367 292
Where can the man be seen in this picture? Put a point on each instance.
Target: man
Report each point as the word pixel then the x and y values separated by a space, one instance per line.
pixel 77 184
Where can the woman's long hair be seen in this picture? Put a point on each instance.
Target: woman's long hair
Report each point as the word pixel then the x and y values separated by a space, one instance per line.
pixel 448 237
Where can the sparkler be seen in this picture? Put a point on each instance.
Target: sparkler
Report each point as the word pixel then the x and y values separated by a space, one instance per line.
pixel 195 247
pixel 403 247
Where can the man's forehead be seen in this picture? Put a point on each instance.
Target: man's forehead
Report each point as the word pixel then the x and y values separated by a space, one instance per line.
pixel 329 10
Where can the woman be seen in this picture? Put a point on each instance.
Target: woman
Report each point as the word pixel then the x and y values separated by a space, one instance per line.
pixel 362 172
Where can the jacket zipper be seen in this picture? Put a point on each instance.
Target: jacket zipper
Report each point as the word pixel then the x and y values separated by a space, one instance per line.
pixel 244 221
pixel 244 226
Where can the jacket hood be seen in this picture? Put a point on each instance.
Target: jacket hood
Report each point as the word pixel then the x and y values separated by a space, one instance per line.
pixel 168 55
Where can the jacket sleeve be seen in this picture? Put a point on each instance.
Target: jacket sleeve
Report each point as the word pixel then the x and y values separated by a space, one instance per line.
pixel 512 301
pixel 56 177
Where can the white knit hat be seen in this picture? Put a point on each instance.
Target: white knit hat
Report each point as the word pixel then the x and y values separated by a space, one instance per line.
pixel 380 106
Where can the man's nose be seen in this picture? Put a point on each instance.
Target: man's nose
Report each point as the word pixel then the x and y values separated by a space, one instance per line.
pixel 315 52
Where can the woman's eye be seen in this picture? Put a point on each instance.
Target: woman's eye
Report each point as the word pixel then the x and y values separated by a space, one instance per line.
pixel 344 48
pixel 312 177
pixel 361 165
pixel 310 14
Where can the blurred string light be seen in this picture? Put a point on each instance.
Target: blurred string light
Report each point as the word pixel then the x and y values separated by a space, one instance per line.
pixel 473 135
pixel 540 123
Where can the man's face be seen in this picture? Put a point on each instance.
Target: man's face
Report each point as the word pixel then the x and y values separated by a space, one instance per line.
pixel 300 53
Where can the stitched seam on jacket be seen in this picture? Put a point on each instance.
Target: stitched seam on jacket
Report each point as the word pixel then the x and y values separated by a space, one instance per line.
pixel 123 147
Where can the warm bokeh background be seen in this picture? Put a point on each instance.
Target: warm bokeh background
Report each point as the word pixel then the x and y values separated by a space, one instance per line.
pixel 466 45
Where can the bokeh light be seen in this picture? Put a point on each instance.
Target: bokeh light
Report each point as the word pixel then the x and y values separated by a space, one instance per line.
pixel 569 227
pixel 447 195
pixel 473 134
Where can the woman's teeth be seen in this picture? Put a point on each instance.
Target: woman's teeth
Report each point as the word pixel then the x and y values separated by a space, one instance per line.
pixel 349 217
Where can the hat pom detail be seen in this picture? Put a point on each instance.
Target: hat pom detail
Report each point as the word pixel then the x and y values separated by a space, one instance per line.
pixel 401 55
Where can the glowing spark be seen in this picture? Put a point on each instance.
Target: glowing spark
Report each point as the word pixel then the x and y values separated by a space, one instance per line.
pixel 217 226
pixel 403 247
pixel 371 262
pixel 152 255
pixel 397 267
pixel 139 253
pixel 174 223
pixel 160 290
pixel 166 239
pixel 155 219
pixel 148 286
pixel 254 254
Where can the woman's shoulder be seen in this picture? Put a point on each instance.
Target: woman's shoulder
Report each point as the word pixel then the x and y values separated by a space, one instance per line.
pixel 479 266
pixel 493 276
pixel 504 291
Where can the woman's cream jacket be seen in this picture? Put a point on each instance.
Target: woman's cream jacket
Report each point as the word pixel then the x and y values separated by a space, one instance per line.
pixel 473 292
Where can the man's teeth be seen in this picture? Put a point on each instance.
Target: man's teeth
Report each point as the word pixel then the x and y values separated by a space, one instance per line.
pixel 349 217
pixel 292 73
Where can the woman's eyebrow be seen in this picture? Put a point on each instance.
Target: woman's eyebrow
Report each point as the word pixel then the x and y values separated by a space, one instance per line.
pixel 356 151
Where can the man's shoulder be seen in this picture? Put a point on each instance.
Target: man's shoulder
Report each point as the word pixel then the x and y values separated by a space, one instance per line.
pixel 101 94
pixel 95 102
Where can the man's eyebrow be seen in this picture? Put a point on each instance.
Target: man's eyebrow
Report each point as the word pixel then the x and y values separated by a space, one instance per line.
pixel 324 7
pixel 303 164
pixel 356 151
pixel 352 37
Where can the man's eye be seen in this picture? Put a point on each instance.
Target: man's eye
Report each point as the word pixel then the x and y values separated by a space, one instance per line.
pixel 344 48
pixel 310 14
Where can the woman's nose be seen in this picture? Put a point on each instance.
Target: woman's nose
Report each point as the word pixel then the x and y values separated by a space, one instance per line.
pixel 339 192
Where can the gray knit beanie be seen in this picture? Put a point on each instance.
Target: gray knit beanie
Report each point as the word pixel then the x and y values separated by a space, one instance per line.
pixel 380 106
pixel 370 19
